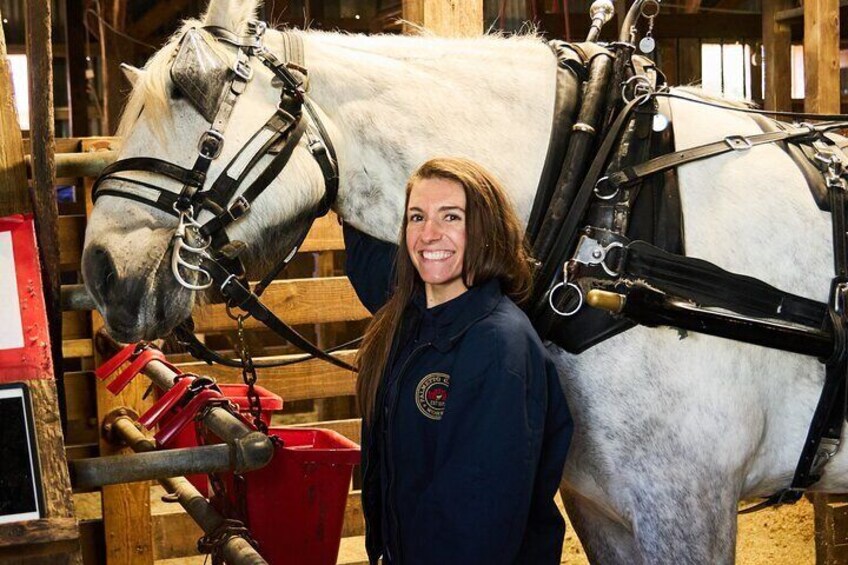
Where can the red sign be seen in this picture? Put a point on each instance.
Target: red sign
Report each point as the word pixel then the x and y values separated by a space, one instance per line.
pixel 24 337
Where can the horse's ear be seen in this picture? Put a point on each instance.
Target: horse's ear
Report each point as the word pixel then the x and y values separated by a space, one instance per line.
pixel 218 14
pixel 132 73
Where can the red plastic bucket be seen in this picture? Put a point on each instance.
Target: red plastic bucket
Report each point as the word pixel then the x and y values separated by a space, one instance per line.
pixel 236 393
pixel 295 505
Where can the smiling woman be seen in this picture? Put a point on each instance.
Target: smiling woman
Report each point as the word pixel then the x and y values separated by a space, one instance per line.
pixel 435 237
pixel 457 392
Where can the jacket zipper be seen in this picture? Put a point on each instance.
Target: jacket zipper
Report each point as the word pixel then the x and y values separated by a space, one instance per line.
pixel 390 487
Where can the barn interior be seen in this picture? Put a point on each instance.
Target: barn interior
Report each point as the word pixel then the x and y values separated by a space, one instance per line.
pixel 61 95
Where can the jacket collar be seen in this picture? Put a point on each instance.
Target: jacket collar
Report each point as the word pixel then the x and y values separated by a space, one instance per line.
pixel 454 317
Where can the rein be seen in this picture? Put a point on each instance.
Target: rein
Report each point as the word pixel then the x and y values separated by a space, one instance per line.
pixel 203 250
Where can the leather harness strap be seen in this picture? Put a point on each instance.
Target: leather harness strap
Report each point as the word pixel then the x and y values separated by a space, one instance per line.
pixel 274 143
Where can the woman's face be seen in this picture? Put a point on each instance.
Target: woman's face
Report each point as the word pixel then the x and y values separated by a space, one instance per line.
pixel 435 237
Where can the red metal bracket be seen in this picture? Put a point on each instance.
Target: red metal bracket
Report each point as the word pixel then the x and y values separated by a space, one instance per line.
pixel 175 425
pixel 156 412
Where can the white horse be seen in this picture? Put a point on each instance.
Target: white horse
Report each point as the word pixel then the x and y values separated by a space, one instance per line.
pixel 670 433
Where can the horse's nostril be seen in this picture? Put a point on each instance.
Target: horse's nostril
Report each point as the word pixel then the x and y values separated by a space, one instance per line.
pixel 100 273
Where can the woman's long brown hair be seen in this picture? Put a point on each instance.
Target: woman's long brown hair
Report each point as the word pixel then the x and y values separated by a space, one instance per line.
pixel 494 250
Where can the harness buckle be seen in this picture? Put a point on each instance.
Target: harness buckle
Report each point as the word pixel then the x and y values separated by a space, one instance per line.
pixel 243 70
pixel 827 449
pixel 210 145
pixel 257 28
pixel 239 208
pixel 738 142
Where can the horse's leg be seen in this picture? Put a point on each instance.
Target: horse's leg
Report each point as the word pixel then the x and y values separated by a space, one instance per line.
pixel 678 525
pixel 605 539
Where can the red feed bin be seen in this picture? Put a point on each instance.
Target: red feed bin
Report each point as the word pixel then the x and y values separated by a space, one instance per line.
pixel 296 504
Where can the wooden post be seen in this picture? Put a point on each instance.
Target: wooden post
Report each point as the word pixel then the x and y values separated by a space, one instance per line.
pixel 14 198
pixel 821 87
pixel 689 60
pixel 40 57
pixel 776 63
pixel 75 36
pixel 127 523
pixel 821 56
pixel 444 17
pixel 110 59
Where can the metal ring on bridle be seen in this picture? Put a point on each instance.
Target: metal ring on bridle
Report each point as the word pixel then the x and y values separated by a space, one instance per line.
pixel 640 87
pixel 601 196
pixel 566 285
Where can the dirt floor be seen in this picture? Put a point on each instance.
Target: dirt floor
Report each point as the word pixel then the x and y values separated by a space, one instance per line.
pixel 781 536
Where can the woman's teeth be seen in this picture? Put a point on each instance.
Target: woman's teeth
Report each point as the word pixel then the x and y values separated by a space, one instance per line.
pixel 436 255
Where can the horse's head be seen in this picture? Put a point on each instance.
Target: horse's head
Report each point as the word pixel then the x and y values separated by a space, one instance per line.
pixel 207 80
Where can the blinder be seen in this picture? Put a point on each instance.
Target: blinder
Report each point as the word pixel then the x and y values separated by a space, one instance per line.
pixel 200 73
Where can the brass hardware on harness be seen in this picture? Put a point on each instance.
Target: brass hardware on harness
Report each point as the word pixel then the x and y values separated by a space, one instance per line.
pixel 606 300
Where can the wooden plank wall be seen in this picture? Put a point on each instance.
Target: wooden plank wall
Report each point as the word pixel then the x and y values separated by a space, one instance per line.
pixel 325 306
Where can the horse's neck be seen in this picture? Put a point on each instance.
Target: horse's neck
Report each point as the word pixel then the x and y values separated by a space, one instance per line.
pixel 393 102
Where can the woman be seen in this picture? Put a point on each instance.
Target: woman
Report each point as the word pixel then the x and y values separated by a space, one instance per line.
pixel 465 427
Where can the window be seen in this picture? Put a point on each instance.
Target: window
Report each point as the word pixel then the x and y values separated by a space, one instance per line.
pixel 726 69
pixel 20 80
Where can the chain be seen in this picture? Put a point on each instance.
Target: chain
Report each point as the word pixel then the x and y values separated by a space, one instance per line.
pixel 214 542
pixel 248 373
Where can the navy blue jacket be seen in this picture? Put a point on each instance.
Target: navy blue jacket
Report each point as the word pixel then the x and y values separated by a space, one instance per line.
pixel 465 454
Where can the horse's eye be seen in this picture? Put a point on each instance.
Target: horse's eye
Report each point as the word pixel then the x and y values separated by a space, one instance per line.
pixel 176 93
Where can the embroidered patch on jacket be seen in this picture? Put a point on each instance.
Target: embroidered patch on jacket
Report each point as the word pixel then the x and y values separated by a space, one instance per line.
pixel 431 395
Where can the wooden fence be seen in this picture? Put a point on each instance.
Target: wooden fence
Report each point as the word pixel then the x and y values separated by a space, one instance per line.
pixel 128 523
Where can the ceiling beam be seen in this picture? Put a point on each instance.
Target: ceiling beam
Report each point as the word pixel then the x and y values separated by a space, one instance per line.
pixel 160 14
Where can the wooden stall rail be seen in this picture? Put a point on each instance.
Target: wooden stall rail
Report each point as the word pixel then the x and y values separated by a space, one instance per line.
pixel 320 302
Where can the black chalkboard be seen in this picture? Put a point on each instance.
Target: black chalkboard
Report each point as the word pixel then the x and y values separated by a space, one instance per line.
pixel 20 480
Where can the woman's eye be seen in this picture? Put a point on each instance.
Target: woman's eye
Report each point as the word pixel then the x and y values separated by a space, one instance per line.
pixel 415 217
pixel 452 217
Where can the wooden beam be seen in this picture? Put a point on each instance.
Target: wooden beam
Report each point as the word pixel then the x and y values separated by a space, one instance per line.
pixel 776 63
pixel 350 428
pixel 160 13
pixel 669 26
pixel 691 6
pixel 788 14
pixel 112 53
pixel 308 380
pixel 296 301
pixel 449 18
pixel 75 34
pixel 689 61
pixel 821 56
pixel 14 196
pixel 77 348
pixel 46 211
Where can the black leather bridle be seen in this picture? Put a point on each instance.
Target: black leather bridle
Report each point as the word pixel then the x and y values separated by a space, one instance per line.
pixel 214 258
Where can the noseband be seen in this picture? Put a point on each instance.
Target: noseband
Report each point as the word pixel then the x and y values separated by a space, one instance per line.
pixel 204 249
